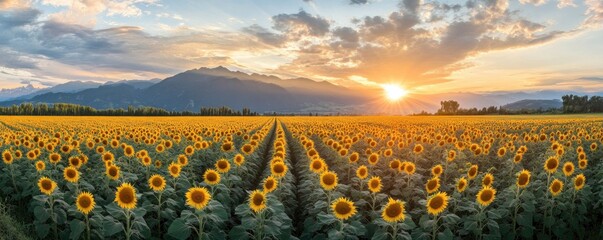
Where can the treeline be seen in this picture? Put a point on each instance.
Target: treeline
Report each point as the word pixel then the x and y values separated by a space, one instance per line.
pixel 582 104
pixel 452 107
pixel 67 109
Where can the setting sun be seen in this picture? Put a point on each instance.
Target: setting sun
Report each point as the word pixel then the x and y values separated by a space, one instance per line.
pixel 393 92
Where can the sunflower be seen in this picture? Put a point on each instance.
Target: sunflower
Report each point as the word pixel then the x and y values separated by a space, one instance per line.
pixel 75 162
pixel 451 156
pixel 108 156
pixel 328 180
pixel 182 160
pixel 551 165
pixel 343 208
pixel 374 184
pixel 395 165
pixel 71 174
pixel 437 203
pixel 582 164
pixel 354 157
pixel 157 183
pixel 432 185
pixel 472 173
pixel 278 169
pixel 54 158
pixel 317 165
pixel 46 185
pixel 239 159
pixel 437 170
pixel 247 149
pixel 211 177
pixel 556 187
pixel 579 181
pixel 486 195
pixel 31 155
pixel 160 148
pixel 227 147
pixel 461 184
pixel 197 197
pixel 125 196
pixel 40 166
pixel 270 184
pixel 362 172
pixel 158 164
pixel 112 172
pixel 523 179
pixel 222 165
pixel 129 151
pixel 189 150
pixel 257 201
pixel 487 180
pixel 85 202
pixel 568 169
pixel 174 169
pixel 418 149
pixel 410 168
pixel 501 152
pixel 146 161
pixel 518 157
pixel 373 159
pixel 393 211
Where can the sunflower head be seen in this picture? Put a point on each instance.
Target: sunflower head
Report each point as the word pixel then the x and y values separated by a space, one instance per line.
pixel 395 165
pixel 568 169
pixel 157 183
pixel 75 162
pixel 343 208
pixel 523 179
pixel 373 159
pixel 354 157
pixel 54 158
pixel 189 150
pixel 374 184
pixel 247 149
pixel 393 211
pixel 472 173
pixel 362 172
pixel 112 172
pixel 197 197
pixel 239 159
pixel 461 184
pixel 40 166
pixel 257 201
pixel 71 174
pixel 182 160
pixel 582 164
pixel 437 170
pixel 270 184
pixel 278 169
pixel 46 185
pixel 174 169
pixel 125 196
pixel 418 149
pixel 227 147
pixel 211 177
pixel 129 151
pixel 551 164
pixel 556 187
pixel 317 165
pixel 222 165
pixel 432 185
pixel 518 157
pixel 488 180
pixel 108 156
pixel 486 196
pixel 579 181
pixel 410 168
pixel 85 202
pixel 328 180
pixel 437 203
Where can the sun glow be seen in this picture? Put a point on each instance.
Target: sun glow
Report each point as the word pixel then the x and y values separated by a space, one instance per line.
pixel 394 92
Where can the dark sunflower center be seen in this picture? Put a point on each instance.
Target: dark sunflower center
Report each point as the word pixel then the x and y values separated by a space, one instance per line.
pixel 328 179
pixel 212 177
pixel 551 164
pixel 523 179
pixel 486 195
pixel 269 184
pixel 198 196
pixel 258 199
pixel 579 181
pixel 487 181
pixel 174 170
pixel 432 184
pixel 71 173
pixel 316 165
pixel 556 187
pixel 278 168
pixel 84 201
pixel 126 195
pixel 374 183
pixel 157 182
pixel 113 171
pixel 343 208
pixel 222 164
pixel 436 202
pixel 393 210
pixel 46 184
pixel 472 171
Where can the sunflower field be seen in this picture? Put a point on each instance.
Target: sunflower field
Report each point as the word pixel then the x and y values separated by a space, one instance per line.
pixel 504 177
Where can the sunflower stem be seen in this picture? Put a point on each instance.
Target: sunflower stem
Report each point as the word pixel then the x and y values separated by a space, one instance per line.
pixel 128 227
pixel 435 227
pixel 341 226
pixel 53 218
pixel 395 231
pixel 201 225
pixel 159 212
pixel 87 227
pixel 517 203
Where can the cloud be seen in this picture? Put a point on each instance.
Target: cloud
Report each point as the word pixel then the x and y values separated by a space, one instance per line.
pixel 535 2
pixel 84 12
pixel 594 14
pixel 6 4
pixel 43 83
pixel 566 3
pixel 264 35
pixel 592 78
pixel 300 24
pixel 18 17
pixel 359 2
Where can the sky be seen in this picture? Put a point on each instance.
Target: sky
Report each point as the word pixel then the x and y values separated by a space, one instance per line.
pixel 424 46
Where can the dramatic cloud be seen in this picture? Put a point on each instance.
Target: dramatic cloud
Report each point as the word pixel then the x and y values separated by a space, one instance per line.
pixel 594 14
pixel 85 11
pixel 535 2
pixel 5 4
pixel 359 2
pixel 566 3
pixel 300 24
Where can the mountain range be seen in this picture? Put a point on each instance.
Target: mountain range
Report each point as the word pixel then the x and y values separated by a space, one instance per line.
pixel 216 87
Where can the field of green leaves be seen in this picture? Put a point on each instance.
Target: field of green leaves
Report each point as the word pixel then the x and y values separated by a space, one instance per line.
pixel 302 177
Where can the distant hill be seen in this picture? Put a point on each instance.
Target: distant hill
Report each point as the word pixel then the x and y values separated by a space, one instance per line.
pixel 11 93
pixel 529 104
pixel 68 87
